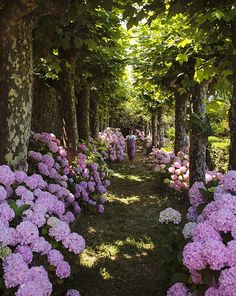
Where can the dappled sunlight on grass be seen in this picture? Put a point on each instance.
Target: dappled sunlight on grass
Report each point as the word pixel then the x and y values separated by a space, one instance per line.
pixel 126 248
pixel 91 230
pixel 105 274
pixel 128 177
pixel 87 259
pixel 127 200
pixel 141 244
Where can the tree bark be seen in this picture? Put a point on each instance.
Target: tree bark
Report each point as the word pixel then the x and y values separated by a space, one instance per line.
pixel 181 137
pixel 46 105
pixel 198 135
pixel 232 110
pixel 154 128
pixel 83 111
pixel 67 91
pixel 94 118
pixel 160 127
pixel 15 86
pixel 17 21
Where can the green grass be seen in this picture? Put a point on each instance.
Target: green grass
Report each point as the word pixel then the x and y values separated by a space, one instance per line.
pixel 121 257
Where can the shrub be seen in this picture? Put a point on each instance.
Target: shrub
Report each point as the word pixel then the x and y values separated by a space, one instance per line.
pixel 219 153
pixel 34 235
pixel 37 211
pixel 115 143
pixel 174 169
pixel 83 183
pixel 209 253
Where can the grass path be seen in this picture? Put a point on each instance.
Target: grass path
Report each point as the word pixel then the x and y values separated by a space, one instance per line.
pixel 121 257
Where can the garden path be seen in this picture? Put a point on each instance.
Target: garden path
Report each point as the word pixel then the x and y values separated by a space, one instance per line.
pixel 121 257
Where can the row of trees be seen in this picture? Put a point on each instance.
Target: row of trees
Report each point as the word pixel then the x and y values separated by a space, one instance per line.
pixel 62 70
pixel 61 67
pixel 187 56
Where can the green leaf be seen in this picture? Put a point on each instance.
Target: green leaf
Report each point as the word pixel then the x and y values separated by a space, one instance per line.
pixel 44 230
pixel 185 42
pixel 18 210
pixel 199 75
pixel 181 58
pixel 179 277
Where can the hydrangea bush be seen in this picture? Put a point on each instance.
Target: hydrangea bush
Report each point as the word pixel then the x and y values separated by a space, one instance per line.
pixel 94 151
pixel 140 135
pixel 175 168
pixel 34 236
pixel 115 143
pixel 210 251
pixel 82 183
pixel 37 211
pixel 88 182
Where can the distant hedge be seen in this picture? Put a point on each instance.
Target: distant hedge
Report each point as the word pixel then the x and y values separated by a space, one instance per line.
pixel 218 153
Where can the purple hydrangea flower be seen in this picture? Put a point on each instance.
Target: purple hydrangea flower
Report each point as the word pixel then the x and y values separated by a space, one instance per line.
pixel 63 269
pixel 27 232
pixel 72 292
pixel 15 270
pixel 178 289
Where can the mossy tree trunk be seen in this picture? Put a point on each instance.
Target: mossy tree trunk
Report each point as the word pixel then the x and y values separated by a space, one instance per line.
pixel 198 134
pixel 160 127
pixel 232 110
pixel 181 130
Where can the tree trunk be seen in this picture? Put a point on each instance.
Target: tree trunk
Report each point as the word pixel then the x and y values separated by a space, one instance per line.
pixel 232 110
pixel 181 137
pixel 83 111
pixel 198 136
pixel 145 128
pixel 67 90
pixel 154 128
pixel 16 70
pixel 46 105
pixel 17 21
pixel 94 118
pixel 160 127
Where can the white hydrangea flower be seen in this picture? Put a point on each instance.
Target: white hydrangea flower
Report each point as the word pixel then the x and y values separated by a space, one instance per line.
pixel 170 215
pixel 189 229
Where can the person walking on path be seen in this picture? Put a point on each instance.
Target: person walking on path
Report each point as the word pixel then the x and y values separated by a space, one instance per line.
pixel 131 147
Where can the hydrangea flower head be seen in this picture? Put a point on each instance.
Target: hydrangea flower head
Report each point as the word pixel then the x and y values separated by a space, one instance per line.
pixel 170 215
pixel 178 289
